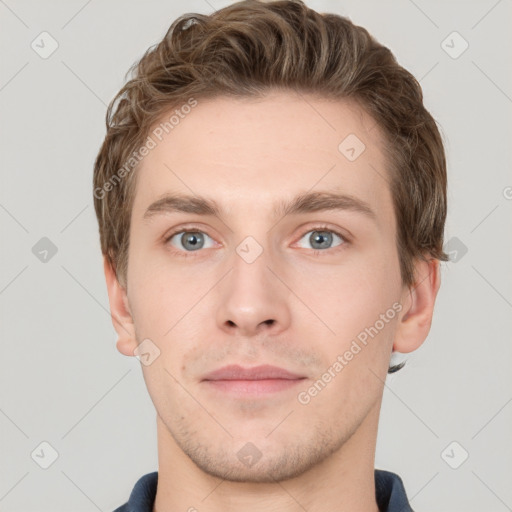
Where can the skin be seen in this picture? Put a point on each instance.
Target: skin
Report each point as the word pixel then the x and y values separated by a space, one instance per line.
pixel 213 308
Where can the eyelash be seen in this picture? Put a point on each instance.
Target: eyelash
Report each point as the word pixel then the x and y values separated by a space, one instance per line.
pixel 316 252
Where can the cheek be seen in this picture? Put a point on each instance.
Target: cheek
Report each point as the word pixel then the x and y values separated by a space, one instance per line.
pixel 359 305
pixel 354 293
pixel 162 293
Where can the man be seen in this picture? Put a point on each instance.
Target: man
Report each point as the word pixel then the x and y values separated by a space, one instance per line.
pixel 295 156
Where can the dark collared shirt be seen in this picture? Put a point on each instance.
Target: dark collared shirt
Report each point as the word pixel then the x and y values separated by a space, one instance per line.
pixel 389 492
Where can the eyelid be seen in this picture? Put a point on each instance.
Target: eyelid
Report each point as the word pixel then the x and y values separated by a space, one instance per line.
pixel 185 227
pixel 325 226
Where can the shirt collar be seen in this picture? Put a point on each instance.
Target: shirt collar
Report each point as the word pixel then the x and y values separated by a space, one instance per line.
pixel 389 492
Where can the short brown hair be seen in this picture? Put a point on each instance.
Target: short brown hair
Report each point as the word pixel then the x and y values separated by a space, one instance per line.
pixel 251 48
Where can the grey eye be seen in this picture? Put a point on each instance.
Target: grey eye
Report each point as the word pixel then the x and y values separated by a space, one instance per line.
pixel 321 239
pixel 189 240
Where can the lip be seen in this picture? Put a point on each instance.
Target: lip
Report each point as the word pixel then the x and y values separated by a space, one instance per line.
pixel 255 381
pixel 262 372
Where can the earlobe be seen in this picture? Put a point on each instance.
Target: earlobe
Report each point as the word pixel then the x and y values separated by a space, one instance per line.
pixel 414 325
pixel 120 312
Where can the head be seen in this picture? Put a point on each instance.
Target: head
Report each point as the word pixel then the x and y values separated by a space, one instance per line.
pixel 251 107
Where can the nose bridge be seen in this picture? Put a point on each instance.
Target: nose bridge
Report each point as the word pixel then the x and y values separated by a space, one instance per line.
pixel 252 240
pixel 250 267
pixel 250 250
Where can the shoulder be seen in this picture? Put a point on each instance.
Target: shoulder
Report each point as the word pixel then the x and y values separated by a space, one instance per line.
pixel 142 496
pixel 390 492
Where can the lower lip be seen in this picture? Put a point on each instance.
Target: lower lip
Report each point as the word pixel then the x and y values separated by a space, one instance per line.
pixel 253 387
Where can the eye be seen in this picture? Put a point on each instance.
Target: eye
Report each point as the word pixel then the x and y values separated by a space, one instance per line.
pixel 321 238
pixel 188 241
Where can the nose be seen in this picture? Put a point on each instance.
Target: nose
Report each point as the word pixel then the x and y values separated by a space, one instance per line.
pixel 252 299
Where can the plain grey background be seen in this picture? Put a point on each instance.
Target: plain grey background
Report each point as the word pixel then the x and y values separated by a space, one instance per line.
pixel 62 380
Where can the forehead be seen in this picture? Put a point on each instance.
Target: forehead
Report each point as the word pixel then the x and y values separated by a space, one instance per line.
pixel 249 154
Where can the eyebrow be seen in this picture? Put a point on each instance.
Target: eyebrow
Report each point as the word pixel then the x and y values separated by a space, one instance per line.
pixel 303 203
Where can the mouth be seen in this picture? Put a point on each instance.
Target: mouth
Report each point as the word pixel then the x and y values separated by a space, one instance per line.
pixel 258 380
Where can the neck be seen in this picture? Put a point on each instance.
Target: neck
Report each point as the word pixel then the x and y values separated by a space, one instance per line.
pixel 343 482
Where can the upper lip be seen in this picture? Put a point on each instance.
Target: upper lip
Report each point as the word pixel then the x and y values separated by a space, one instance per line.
pixel 236 372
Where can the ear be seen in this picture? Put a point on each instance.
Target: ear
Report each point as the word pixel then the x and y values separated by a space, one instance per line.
pixel 120 312
pixel 414 324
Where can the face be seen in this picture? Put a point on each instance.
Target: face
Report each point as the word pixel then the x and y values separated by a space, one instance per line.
pixel 313 290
